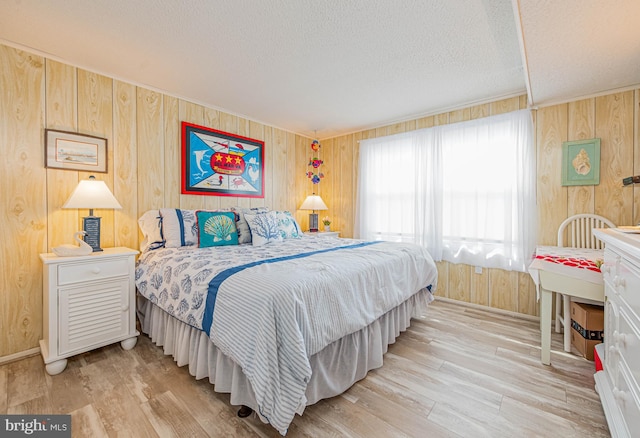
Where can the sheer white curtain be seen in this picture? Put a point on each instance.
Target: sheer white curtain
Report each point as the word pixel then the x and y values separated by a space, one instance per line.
pixel 395 174
pixel 466 191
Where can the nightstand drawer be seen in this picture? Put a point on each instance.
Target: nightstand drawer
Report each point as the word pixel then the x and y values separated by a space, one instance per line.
pixel 98 270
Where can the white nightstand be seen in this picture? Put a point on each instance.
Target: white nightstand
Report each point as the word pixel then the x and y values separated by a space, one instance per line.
pixel 324 233
pixel 88 302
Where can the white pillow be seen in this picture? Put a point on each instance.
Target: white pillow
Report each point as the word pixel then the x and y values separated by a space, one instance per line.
pixel 151 227
pixel 179 227
pixel 244 234
pixel 264 228
pixel 289 228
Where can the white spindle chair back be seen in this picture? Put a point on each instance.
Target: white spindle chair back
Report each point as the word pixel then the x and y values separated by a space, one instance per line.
pixel 576 231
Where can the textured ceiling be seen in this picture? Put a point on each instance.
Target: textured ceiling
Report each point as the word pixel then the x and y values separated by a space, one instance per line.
pixel 333 66
pixel 580 47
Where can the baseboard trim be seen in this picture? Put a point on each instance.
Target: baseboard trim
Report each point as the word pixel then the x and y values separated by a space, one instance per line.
pixel 489 309
pixel 17 356
pixel 34 351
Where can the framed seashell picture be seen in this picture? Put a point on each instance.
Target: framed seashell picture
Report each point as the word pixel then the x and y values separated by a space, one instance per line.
pixel 581 162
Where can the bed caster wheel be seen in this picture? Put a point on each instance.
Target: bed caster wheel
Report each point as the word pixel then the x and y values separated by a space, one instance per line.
pixel 244 411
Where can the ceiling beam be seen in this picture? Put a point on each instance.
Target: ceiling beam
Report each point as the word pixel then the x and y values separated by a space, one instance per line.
pixel 523 50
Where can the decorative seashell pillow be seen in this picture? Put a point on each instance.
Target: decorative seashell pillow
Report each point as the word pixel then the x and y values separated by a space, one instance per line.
pixel 216 228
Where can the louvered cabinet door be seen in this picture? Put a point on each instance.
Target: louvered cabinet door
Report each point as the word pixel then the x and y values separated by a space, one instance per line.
pixel 92 315
pixel 88 302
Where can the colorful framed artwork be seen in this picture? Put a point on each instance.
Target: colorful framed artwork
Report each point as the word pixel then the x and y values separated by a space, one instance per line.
pixel 581 162
pixel 73 151
pixel 217 163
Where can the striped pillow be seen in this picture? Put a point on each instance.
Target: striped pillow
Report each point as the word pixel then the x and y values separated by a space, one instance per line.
pixel 179 227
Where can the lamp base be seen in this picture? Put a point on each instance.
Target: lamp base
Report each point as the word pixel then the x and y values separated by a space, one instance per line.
pixel 91 226
pixel 313 222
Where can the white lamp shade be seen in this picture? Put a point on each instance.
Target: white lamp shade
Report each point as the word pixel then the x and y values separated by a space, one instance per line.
pixel 91 194
pixel 313 202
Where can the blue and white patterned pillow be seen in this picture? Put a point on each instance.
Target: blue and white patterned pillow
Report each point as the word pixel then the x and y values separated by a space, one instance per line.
pixel 179 227
pixel 265 228
pixel 244 234
pixel 289 228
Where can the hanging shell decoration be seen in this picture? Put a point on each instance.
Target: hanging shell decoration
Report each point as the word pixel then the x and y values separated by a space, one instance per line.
pixel 315 163
pixel 220 227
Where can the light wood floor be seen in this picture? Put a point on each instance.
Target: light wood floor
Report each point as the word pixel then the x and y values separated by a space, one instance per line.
pixel 460 372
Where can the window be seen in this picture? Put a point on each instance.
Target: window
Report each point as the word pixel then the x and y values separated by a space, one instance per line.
pixel 466 191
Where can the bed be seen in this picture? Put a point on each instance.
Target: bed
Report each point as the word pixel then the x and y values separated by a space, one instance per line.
pixel 278 323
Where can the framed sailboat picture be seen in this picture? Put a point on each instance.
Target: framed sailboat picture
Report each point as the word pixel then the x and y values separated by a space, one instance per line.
pixel 72 151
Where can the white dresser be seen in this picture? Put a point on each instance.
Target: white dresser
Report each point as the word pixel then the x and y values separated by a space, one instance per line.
pixel 87 302
pixel 618 382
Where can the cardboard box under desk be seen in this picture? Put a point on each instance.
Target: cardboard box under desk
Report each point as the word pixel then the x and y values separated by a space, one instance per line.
pixel 588 316
pixel 587 328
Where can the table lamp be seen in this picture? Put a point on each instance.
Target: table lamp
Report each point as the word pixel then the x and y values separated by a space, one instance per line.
pixel 91 194
pixel 313 203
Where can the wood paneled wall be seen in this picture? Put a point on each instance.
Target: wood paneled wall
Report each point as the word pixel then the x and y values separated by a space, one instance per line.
pixel 613 118
pixel 143 131
pixel 142 128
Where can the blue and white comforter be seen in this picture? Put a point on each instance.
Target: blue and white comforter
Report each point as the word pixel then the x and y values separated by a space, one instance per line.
pixel 271 316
